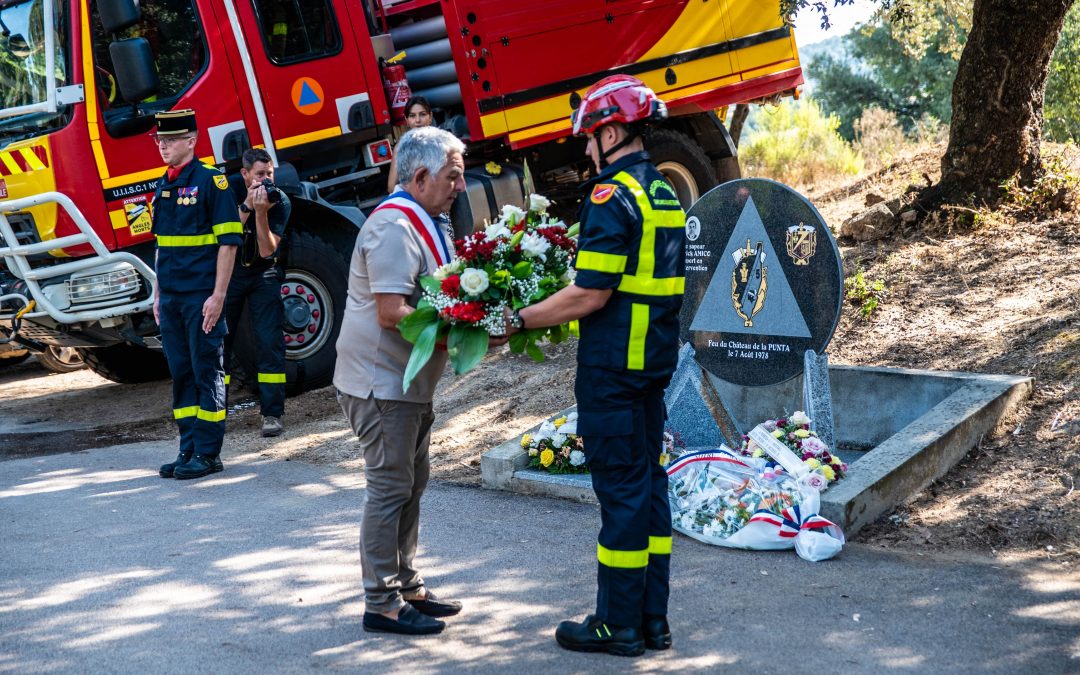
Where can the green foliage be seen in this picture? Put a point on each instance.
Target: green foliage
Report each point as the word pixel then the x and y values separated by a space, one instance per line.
pixel 878 137
pixel 864 293
pixel 906 68
pixel 466 346
pixel 797 144
pixel 1058 188
pixel 1060 110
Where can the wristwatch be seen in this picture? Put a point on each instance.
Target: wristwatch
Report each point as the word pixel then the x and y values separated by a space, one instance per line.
pixel 516 321
pixel 244 208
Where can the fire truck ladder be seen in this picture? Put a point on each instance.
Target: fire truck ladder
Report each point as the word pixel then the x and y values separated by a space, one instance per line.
pixel 15 255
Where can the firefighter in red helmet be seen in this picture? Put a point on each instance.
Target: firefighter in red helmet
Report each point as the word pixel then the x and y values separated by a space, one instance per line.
pixel 627 294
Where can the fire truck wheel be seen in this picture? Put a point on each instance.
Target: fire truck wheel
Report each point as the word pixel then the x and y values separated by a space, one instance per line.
pixel 316 282
pixel 126 364
pixel 683 163
pixel 61 359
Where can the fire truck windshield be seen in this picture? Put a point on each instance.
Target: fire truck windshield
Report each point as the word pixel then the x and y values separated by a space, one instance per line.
pixel 23 80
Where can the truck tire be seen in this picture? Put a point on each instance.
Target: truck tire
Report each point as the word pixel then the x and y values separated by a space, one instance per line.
pixel 126 364
pixel 14 360
pixel 61 359
pixel 683 163
pixel 316 281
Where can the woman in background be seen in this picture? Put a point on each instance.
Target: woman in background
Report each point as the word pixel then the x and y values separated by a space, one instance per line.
pixel 417 114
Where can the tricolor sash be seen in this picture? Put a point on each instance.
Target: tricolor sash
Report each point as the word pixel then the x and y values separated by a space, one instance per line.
pixel 432 234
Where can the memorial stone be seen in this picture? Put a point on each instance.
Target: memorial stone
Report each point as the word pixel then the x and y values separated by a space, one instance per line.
pixel 764 282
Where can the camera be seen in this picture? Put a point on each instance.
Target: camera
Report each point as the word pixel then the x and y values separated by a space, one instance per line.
pixel 273 194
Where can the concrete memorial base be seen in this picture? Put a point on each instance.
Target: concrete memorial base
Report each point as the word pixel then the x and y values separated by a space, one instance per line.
pixel 898 429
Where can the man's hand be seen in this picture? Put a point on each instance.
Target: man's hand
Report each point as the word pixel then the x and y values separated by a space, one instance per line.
pixel 211 311
pixel 259 200
pixel 497 340
pixel 510 330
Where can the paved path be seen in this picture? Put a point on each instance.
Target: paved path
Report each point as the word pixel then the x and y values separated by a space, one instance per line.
pixel 104 567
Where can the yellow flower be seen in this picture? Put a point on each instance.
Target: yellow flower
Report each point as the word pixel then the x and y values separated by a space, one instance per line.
pixel 779 433
pixel 828 472
pixel 559 422
pixel 546 458
pixel 758 452
pixel 525 440
pixel 664 458
pixel 493 169
pixel 802 433
pixel 812 463
pixel 533 452
pixel 836 461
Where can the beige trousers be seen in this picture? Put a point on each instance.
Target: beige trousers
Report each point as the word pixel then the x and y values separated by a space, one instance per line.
pixel 394 438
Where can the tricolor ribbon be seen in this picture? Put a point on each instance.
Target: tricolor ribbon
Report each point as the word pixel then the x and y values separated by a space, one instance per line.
pixel 790 521
pixel 703 456
pixel 432 235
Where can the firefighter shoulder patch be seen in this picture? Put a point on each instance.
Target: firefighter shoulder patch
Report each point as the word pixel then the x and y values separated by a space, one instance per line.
pixel 603 192
pixel 222 182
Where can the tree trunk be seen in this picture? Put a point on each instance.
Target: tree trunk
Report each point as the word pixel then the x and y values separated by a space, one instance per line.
pixel 738 119
pixel 998 100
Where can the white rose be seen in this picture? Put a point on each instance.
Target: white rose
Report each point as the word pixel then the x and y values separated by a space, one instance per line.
pixel 569 428
pixel 474 281
pixel 538 203
pixel 799 418
pixel 496 230
pixel 547 430
pixel 568 276
pixel 441 273
pixel 577 458
pixel 534 246
pixel 512 214
pixel 558 439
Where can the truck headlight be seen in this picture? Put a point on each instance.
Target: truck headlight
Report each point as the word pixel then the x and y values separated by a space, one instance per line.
pixel 121 281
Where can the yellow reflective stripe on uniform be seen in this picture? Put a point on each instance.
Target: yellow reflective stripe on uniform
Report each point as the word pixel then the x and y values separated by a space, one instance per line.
pixel 642 281
pixel 211 415
pixel 187 240
pixel 271 378
pixel 639 328
pixel 622 559
pixel 659 545
pixel 181 413
pixel 228 228
pixel 228 379
pixel 649 286
pixel 600 262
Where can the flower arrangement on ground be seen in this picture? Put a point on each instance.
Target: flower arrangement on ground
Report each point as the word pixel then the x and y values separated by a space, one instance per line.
pixel 556 447
pixel 520 259
pixel 673 447
pixel 794 432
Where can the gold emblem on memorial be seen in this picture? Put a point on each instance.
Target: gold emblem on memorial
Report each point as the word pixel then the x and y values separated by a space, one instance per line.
pixel 801 243
pixel 749 282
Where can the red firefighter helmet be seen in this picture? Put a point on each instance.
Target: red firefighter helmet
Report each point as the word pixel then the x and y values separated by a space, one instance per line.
pixel 617 98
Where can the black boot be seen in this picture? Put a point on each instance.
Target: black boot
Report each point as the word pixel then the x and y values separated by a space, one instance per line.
pixel 594 635
pixel 197 467
pixel 656 631
pixel 166 470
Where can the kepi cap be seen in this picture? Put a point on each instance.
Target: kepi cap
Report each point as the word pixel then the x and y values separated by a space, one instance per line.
pixel 175 122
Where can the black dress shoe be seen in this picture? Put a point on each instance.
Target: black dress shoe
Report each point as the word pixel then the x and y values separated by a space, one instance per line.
pixel 409 622
pixel 433 606
pixel 197 467
pixel 594 635
pixel 656 631
pixel 166 470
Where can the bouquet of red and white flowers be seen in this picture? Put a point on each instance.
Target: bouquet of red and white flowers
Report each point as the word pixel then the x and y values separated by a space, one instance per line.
pixel 521 259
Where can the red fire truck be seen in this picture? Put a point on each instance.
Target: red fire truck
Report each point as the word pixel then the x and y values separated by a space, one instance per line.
pixel 80 82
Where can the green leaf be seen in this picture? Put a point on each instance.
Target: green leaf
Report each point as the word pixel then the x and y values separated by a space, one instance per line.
pixel 518 342
pixel 421 354
pixel 555 334
pixel 534 352
pixel 466 346
pixel 431 285
pixel 414 323
pixel 522 270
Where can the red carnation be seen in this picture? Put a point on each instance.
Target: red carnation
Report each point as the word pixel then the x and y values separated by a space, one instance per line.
pixel 468 312
pixel 451 285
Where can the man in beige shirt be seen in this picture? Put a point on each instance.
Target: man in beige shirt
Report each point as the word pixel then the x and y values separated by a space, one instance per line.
pixel 399 243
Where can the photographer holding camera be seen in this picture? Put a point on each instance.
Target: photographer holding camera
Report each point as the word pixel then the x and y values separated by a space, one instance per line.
pixel 256 280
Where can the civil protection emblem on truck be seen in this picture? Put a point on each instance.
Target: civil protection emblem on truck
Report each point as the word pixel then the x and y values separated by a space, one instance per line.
pixel 749 282
pixel 801 243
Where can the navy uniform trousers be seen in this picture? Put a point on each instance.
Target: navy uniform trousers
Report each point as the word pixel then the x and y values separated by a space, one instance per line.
pixel 262 293
pixel 621 420
pixel 195 362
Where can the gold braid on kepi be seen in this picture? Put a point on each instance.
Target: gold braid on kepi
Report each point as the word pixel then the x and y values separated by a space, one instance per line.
pixel 175 122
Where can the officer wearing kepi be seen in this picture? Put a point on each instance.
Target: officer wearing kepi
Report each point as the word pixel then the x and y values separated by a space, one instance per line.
pixel 195 222
pixel 627 294
pixel 256 280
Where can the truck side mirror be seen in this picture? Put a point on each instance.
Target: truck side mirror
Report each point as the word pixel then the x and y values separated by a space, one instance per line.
pixel 116 15
pixel 133 63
